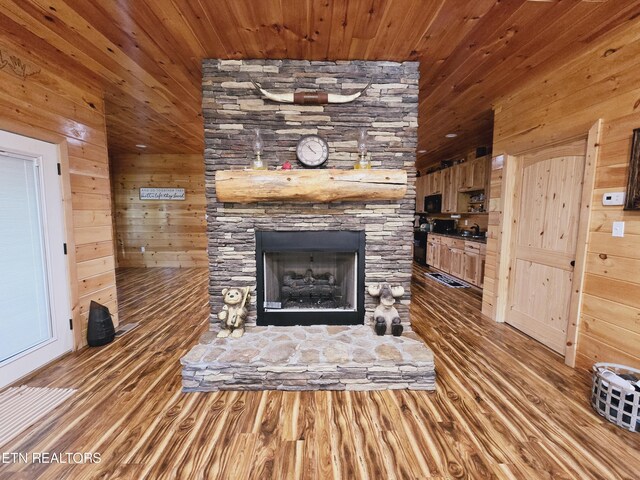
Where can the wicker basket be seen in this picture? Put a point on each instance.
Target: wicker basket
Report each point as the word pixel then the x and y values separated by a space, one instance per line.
pixel 619 406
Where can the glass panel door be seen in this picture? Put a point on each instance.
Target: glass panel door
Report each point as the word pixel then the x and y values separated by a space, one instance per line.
pixel 25 320
pixel 34 284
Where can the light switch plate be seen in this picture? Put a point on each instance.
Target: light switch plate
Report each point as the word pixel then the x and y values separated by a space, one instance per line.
pixel 618 229
pixel 613 198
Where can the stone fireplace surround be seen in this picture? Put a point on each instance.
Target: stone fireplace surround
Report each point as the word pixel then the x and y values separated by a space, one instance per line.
pixel 232 110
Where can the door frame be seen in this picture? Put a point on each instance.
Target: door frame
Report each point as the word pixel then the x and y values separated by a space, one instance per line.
pixel 67 212
pixel 510 194
pixel 46 156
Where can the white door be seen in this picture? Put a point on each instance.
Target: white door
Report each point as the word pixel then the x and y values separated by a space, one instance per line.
pixel 34 286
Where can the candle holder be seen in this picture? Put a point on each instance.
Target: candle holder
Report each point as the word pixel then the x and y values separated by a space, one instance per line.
pixel 364 161
pixel 257 163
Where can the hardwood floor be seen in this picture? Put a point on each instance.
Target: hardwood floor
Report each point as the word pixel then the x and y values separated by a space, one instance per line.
pixel 506 407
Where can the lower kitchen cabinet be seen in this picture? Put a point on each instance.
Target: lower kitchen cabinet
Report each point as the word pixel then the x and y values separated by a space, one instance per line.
pixel 433 254
pixel 457 262
pixel 445 258
pixel 434 250
pixel 473 268
pixel 460 258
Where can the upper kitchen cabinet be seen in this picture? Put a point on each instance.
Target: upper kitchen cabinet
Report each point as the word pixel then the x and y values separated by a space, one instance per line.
pixel 472 175
pixel 434 183
pixel 421 192
pixel 463 187
pixel 450 189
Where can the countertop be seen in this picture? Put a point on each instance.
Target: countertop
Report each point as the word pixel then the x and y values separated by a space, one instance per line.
pixel 482 239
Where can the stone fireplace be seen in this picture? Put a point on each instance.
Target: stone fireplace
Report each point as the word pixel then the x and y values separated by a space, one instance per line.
pixel 310 262
pixel 232 109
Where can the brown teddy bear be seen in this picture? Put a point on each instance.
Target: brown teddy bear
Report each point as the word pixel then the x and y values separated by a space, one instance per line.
pixel 233 313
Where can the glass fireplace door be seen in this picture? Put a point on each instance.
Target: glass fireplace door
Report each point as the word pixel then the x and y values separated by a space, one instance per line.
pixel 310 281
pixel 310 278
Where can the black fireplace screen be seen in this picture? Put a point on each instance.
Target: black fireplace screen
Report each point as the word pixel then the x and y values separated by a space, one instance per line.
pixel 307 278
pixel 310 280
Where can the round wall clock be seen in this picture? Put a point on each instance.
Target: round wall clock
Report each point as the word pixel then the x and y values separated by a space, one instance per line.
pixel 312 151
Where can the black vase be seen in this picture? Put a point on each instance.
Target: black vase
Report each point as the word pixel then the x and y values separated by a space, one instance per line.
pixel 100 330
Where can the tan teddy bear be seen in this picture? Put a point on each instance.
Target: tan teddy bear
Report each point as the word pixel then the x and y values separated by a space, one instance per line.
pixel 233 313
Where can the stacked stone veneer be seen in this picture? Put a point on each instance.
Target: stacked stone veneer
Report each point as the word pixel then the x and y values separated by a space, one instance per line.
pixel 318 357
pixel 232 109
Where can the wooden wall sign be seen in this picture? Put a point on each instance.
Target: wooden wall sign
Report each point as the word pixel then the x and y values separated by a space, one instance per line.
pixel 148 193
pixel 633 187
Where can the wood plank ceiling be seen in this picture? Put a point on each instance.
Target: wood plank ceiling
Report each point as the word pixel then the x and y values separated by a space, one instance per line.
pixel 145 54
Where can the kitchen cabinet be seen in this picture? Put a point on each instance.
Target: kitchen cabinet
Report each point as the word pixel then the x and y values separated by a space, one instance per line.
pixel 456 265
pixel 472 175
pixel 434 183
pixel 458 257
pixel 421 192
pixel 453 256
pixel 433 251
pixel 445 258
pixel 449 190
pixel 426 185
pixel 487 183
pixel 457 185
pixel 474 259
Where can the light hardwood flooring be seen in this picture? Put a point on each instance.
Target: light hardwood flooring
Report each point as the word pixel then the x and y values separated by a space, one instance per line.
pixel 505 407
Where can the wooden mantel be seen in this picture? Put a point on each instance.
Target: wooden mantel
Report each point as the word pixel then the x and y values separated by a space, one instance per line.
pixel 321 186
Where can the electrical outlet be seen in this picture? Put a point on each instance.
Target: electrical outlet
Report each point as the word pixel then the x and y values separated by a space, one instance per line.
pixel 466 222
pixel 618 229
pixel 142 249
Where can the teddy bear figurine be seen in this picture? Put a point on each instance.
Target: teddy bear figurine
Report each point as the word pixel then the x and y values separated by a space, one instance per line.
pixel 233 313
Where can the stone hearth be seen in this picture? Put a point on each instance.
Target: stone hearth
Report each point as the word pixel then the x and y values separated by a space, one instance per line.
pixel 309 358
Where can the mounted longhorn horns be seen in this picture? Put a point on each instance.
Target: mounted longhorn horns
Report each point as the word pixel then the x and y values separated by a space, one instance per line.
pixel 317 98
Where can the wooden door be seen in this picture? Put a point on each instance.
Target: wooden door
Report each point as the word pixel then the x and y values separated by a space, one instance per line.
pixel 543 242
pixel 471 267
pixel 433 251
pixel 449 190
pixel 435 182
pixel 457 263
pixel 430 253
pixel 478 174
pixel 464 176
pixel 445 178
pixel 471 175
pixel 444 257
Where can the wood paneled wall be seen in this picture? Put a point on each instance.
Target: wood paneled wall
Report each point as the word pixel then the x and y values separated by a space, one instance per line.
pixel 45 102
pixel 601 82
pixel 173 233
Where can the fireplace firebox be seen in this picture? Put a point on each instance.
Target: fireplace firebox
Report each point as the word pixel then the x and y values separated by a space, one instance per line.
pixel 310 277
